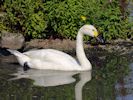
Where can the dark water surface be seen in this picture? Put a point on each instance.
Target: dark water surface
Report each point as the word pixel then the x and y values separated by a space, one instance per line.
pixel 110 79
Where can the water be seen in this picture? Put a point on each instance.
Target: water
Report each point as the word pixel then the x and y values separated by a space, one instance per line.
pixel 130 8
pixel 125 86
pixel 110 79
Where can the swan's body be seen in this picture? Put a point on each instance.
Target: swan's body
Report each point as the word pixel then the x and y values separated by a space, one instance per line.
pixel 56 60
pixel 52 59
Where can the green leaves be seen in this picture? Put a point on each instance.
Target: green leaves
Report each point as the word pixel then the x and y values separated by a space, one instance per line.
pixel 28 15
pixel 107 17
pixel 63 18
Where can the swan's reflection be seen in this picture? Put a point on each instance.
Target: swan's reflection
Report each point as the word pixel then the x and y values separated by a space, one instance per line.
pixel 54 78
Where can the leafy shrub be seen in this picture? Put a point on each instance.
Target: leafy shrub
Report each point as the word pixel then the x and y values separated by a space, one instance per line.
pixel 26 16
pixel 111 22
pixel 64 17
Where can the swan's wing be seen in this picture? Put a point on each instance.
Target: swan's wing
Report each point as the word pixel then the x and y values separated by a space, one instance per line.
pixel 52 56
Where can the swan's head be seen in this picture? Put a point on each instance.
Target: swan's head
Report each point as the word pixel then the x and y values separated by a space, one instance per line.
pixel 91 31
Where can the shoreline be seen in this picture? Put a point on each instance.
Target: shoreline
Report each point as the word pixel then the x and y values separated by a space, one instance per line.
pixel 121 45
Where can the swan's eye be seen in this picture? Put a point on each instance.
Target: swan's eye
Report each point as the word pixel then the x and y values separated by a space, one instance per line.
pixel 93 30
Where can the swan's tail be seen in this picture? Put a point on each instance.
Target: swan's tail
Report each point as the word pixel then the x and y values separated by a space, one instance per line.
pixel 15 52
pixel 20 56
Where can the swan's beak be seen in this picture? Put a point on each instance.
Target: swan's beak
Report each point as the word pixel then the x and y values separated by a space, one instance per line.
pixel 100 39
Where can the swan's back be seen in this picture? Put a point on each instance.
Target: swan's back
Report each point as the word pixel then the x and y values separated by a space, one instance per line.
pixel 52 58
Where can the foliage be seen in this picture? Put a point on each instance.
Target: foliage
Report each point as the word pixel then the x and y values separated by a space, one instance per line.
pixel 38 19
pixel 65 17
pixel 26 16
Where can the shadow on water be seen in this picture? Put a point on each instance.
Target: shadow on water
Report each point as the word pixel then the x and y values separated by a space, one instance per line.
pixel 109 80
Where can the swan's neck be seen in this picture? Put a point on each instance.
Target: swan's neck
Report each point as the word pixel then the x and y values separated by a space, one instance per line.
pixel 84 62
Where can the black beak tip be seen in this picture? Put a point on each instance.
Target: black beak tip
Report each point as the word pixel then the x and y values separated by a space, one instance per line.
pixel 100 39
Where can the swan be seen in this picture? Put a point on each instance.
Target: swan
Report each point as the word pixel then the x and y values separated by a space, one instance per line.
pixel 50 59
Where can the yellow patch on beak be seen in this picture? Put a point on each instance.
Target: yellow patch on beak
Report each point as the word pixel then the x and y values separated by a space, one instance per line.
pixel 95 34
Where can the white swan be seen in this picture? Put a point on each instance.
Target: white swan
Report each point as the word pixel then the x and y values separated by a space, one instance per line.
pixel 56 60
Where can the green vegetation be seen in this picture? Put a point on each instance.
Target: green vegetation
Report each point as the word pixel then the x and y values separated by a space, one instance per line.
pixel 26 16
pixel 62 18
